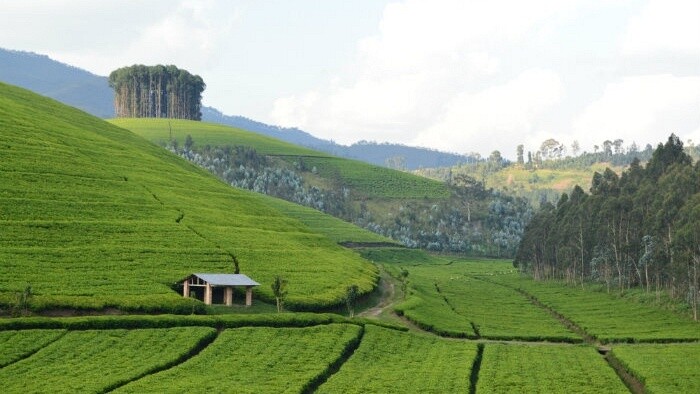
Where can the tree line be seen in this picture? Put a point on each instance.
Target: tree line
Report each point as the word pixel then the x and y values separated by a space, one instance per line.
pixel 156 92
pixel 637 229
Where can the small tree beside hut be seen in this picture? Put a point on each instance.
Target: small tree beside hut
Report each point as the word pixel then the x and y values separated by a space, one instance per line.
pixel 279 291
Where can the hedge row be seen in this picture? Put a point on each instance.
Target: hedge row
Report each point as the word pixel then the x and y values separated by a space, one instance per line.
pixel 164 321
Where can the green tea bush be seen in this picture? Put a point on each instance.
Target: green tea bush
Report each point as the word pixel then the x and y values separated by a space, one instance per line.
pixel 663 368
pixel 255 360
pixel 518 368
pixel 97 361
pixel 393 361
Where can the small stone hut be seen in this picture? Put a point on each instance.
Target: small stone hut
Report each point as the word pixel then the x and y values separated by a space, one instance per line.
pixel 226 281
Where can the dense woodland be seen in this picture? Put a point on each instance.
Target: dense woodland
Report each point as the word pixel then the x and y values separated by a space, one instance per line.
pixel 156 92
pixel 639 229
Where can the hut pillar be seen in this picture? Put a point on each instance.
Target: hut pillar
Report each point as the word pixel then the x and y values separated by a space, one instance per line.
pixel 228 296
pixel 186 288
pixel 207 294
pixel 248 295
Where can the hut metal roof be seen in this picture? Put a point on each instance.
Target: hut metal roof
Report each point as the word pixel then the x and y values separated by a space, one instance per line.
pixel 227 279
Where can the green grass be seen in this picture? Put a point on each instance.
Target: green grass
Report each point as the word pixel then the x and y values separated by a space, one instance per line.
pixel 610 318
pixel 256 360
pixel 94 216
pixel 663 368
pixel 96 361
pixel 561 180
pixel 15 345
pixel 499 312
pixel 515 368
pixel 366 180
pixel 389 361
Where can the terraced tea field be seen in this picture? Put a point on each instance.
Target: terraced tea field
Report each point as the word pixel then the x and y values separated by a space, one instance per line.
pixel 94 216
pixel 607 317
pixel 518 368
pixel 17 345
pixel 393 361
pixel 97 361
pixel 664 368
pixel 449 299
pixel 256 360
pixel 331 354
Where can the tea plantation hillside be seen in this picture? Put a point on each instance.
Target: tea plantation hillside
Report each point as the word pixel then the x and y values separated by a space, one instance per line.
pixel 410 209
pixel 368 180
pixel 94 216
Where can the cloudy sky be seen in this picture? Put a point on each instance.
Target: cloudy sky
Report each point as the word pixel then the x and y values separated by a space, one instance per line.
pixel 456 75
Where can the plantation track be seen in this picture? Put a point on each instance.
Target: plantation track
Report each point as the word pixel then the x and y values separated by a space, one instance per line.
pixel 387 299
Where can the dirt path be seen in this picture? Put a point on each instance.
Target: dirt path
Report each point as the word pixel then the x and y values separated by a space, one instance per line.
pixel 387 299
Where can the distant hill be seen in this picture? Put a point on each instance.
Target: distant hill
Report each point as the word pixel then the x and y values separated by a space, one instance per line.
pixel 94 216
pixel 67 84
pixel 91 93
pixel 544 180
pixel 385 154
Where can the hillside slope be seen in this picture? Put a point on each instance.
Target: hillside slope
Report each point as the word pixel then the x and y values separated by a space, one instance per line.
pixel 370 180
pixel 413 210
pixel 94 216
pixel 381 154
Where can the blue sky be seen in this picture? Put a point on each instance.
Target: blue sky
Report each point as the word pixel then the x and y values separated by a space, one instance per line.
pixel 455 75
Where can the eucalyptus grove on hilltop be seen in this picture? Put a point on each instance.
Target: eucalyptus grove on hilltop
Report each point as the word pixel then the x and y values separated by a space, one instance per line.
pixel 156 92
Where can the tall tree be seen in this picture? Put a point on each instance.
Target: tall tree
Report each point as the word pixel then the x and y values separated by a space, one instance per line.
pixel 520 151
pixel 639 228
pixel 156 92
pixel 552 149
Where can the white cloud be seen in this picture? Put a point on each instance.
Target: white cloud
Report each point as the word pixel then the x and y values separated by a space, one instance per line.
pixel 496 117
pixel 664 26
pixel 427 58
pixel 109 34
pixel 645 109
pixel 450 74
pixel 190 34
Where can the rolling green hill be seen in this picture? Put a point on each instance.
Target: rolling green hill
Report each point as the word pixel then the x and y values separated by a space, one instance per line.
pixel 94 216
pixel 366 179
pixel 413 210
